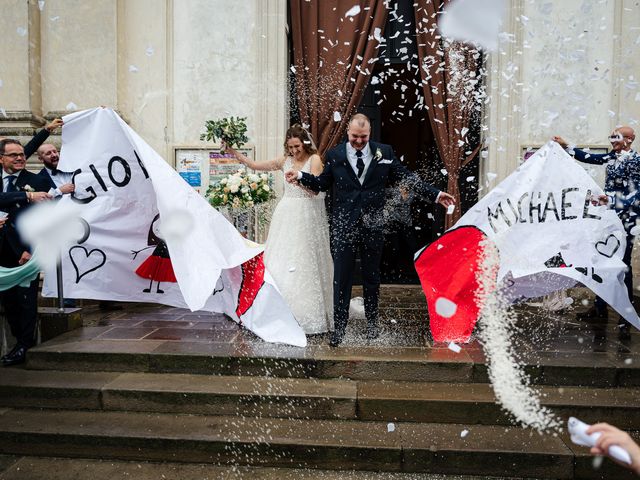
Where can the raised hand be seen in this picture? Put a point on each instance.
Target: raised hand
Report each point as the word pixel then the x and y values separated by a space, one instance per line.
pixel 560 141
pixel 53 124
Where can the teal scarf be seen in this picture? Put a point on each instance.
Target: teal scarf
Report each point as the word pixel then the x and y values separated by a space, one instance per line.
pixel 22 275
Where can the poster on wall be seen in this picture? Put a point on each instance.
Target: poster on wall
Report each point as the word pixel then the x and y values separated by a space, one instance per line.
pixel 188 164
pixel 223 164
pixel 204 166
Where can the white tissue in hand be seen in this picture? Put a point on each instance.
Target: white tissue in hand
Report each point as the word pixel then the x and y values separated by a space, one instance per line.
pixel 51 228
pixel 356 308
pixel 579 436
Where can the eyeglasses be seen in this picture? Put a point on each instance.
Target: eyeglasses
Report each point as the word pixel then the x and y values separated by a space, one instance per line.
pixel 13 155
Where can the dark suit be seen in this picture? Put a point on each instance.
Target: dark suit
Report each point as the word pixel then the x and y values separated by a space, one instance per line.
pixel 20 303
pixel 357 215
pixel 38 139
pixel 622 184
pixel 44 173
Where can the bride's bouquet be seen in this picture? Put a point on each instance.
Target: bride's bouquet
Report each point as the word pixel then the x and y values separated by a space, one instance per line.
pixel 240 190
pixel 232 131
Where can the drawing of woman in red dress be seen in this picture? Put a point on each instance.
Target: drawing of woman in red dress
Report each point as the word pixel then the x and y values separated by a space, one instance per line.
pixel 158 266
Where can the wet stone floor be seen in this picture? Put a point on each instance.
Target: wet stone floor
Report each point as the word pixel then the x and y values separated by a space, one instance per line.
pixel 403 325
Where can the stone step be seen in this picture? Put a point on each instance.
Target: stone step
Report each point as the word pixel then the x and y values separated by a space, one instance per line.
pixel 74 352
pixel 468 404
pixel 56 468
pixel 291 443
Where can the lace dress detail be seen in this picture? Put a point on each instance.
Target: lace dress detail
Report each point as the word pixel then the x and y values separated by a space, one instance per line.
pixel 298 257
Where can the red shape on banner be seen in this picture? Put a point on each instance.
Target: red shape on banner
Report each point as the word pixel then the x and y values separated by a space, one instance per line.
pixel 448 268
pixel 252 281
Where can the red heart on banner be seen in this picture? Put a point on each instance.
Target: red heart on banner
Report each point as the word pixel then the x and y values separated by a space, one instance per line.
pixel 448 269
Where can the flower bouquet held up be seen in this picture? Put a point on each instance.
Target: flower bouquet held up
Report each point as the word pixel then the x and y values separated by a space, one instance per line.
pixel 230 131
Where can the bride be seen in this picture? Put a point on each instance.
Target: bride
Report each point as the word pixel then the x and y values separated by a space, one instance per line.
pixel 297 250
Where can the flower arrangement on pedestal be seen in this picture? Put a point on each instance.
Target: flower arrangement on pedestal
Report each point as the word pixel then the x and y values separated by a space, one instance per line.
pixel 240 190
pixel 231 131
pixel 245 199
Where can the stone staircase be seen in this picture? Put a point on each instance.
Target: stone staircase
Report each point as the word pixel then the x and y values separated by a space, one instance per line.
pixel 97 405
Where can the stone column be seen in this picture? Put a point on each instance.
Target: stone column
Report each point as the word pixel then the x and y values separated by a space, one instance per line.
pixel 271 59
pixel 20 94
pixel 503 117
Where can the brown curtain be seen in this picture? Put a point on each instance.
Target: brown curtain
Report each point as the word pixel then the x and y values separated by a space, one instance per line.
pixel 333 61
pixel 450 86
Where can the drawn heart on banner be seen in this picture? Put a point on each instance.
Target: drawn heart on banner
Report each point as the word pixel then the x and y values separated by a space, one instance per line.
pixel 606 250
pixel 86 261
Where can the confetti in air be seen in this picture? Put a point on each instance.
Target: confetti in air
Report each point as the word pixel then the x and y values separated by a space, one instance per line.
pixel 473 22
pixel 353 11
pixel 446 307
pixel 496 328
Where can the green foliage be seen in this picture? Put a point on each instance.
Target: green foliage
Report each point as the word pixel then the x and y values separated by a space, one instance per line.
pixel 232 131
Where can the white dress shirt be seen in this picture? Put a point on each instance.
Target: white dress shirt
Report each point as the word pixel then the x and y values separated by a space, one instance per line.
pixel 60 178
pixel 353 160
pixel 5 179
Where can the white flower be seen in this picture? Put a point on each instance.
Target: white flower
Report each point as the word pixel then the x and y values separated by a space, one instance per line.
pixel 223 181
pixel 263 176
pixel 266 188
pixel 28 188
pixel 378 155
pixel 233 188
pixel 245 190
pixel 253 177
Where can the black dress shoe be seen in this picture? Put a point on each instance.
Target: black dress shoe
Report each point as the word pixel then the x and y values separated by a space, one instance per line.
pixel 372 331
pixel 624 332
pixel 11 352
pixel 15 357
pixel 336 338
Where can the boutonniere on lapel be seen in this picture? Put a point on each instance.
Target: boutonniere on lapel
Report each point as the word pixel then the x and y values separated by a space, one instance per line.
pixel 378 157
pixel 28 188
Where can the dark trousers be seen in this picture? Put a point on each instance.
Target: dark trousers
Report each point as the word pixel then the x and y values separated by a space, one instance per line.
pixel 346 245
pixel 21 309
pixel 600 304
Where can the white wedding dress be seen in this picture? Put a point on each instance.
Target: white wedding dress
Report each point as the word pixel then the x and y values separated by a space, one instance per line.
pixel 298 257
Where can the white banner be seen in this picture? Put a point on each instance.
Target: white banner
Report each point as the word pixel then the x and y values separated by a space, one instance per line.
pixel 124 189
pixel 550 236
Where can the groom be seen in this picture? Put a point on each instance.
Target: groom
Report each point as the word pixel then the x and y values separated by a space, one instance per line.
pixel 358 172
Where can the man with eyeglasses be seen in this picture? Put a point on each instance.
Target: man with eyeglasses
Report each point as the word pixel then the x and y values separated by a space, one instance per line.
pixel 19 189
pixel 622 182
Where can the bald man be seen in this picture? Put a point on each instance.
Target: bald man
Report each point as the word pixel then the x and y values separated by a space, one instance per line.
pixel 59 182
pixel 622 185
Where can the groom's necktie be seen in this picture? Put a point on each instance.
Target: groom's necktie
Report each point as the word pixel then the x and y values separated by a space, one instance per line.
pixel 359 163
